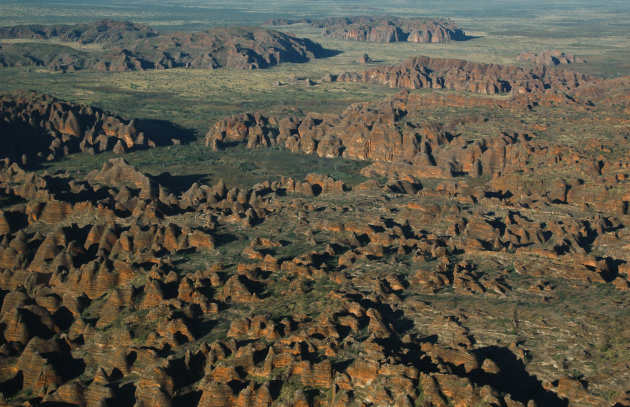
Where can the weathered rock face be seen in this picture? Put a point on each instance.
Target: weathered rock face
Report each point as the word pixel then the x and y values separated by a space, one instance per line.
pixel 131 47
pixel 118 171
pixel 5 228
pixel 36 127
pixel 384 29
pixel 460 75
pixel 549 57
pixel 364 59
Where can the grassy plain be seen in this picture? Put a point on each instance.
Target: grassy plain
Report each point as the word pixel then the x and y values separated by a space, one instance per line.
pixel 237 166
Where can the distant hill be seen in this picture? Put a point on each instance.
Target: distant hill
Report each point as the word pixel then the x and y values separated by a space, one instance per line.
pixel 109 32
pixel 131 47
pixel 384 29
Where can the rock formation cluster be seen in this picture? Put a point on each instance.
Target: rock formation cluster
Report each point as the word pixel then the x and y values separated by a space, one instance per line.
pixel 395 131
pixel 36 127
pixel 522 176
pixel 101 303
pixel 390 29
pixel 461 75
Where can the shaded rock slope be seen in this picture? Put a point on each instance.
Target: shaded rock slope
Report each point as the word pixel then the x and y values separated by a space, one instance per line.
pixel 36 127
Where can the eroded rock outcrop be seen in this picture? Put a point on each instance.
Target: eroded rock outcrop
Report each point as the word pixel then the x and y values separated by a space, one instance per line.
pixel 372 132
pixel 36 127
pixel 460 75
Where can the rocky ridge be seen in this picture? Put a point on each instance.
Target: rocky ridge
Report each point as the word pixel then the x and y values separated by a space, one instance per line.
pixel 384 29
pixel 460 75
pixel 130 47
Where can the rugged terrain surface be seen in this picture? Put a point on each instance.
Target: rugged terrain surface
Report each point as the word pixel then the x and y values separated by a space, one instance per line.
pixel 384 29
pixel 549 57
pixel 483 260
pixel 462 240
pixel 126 46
